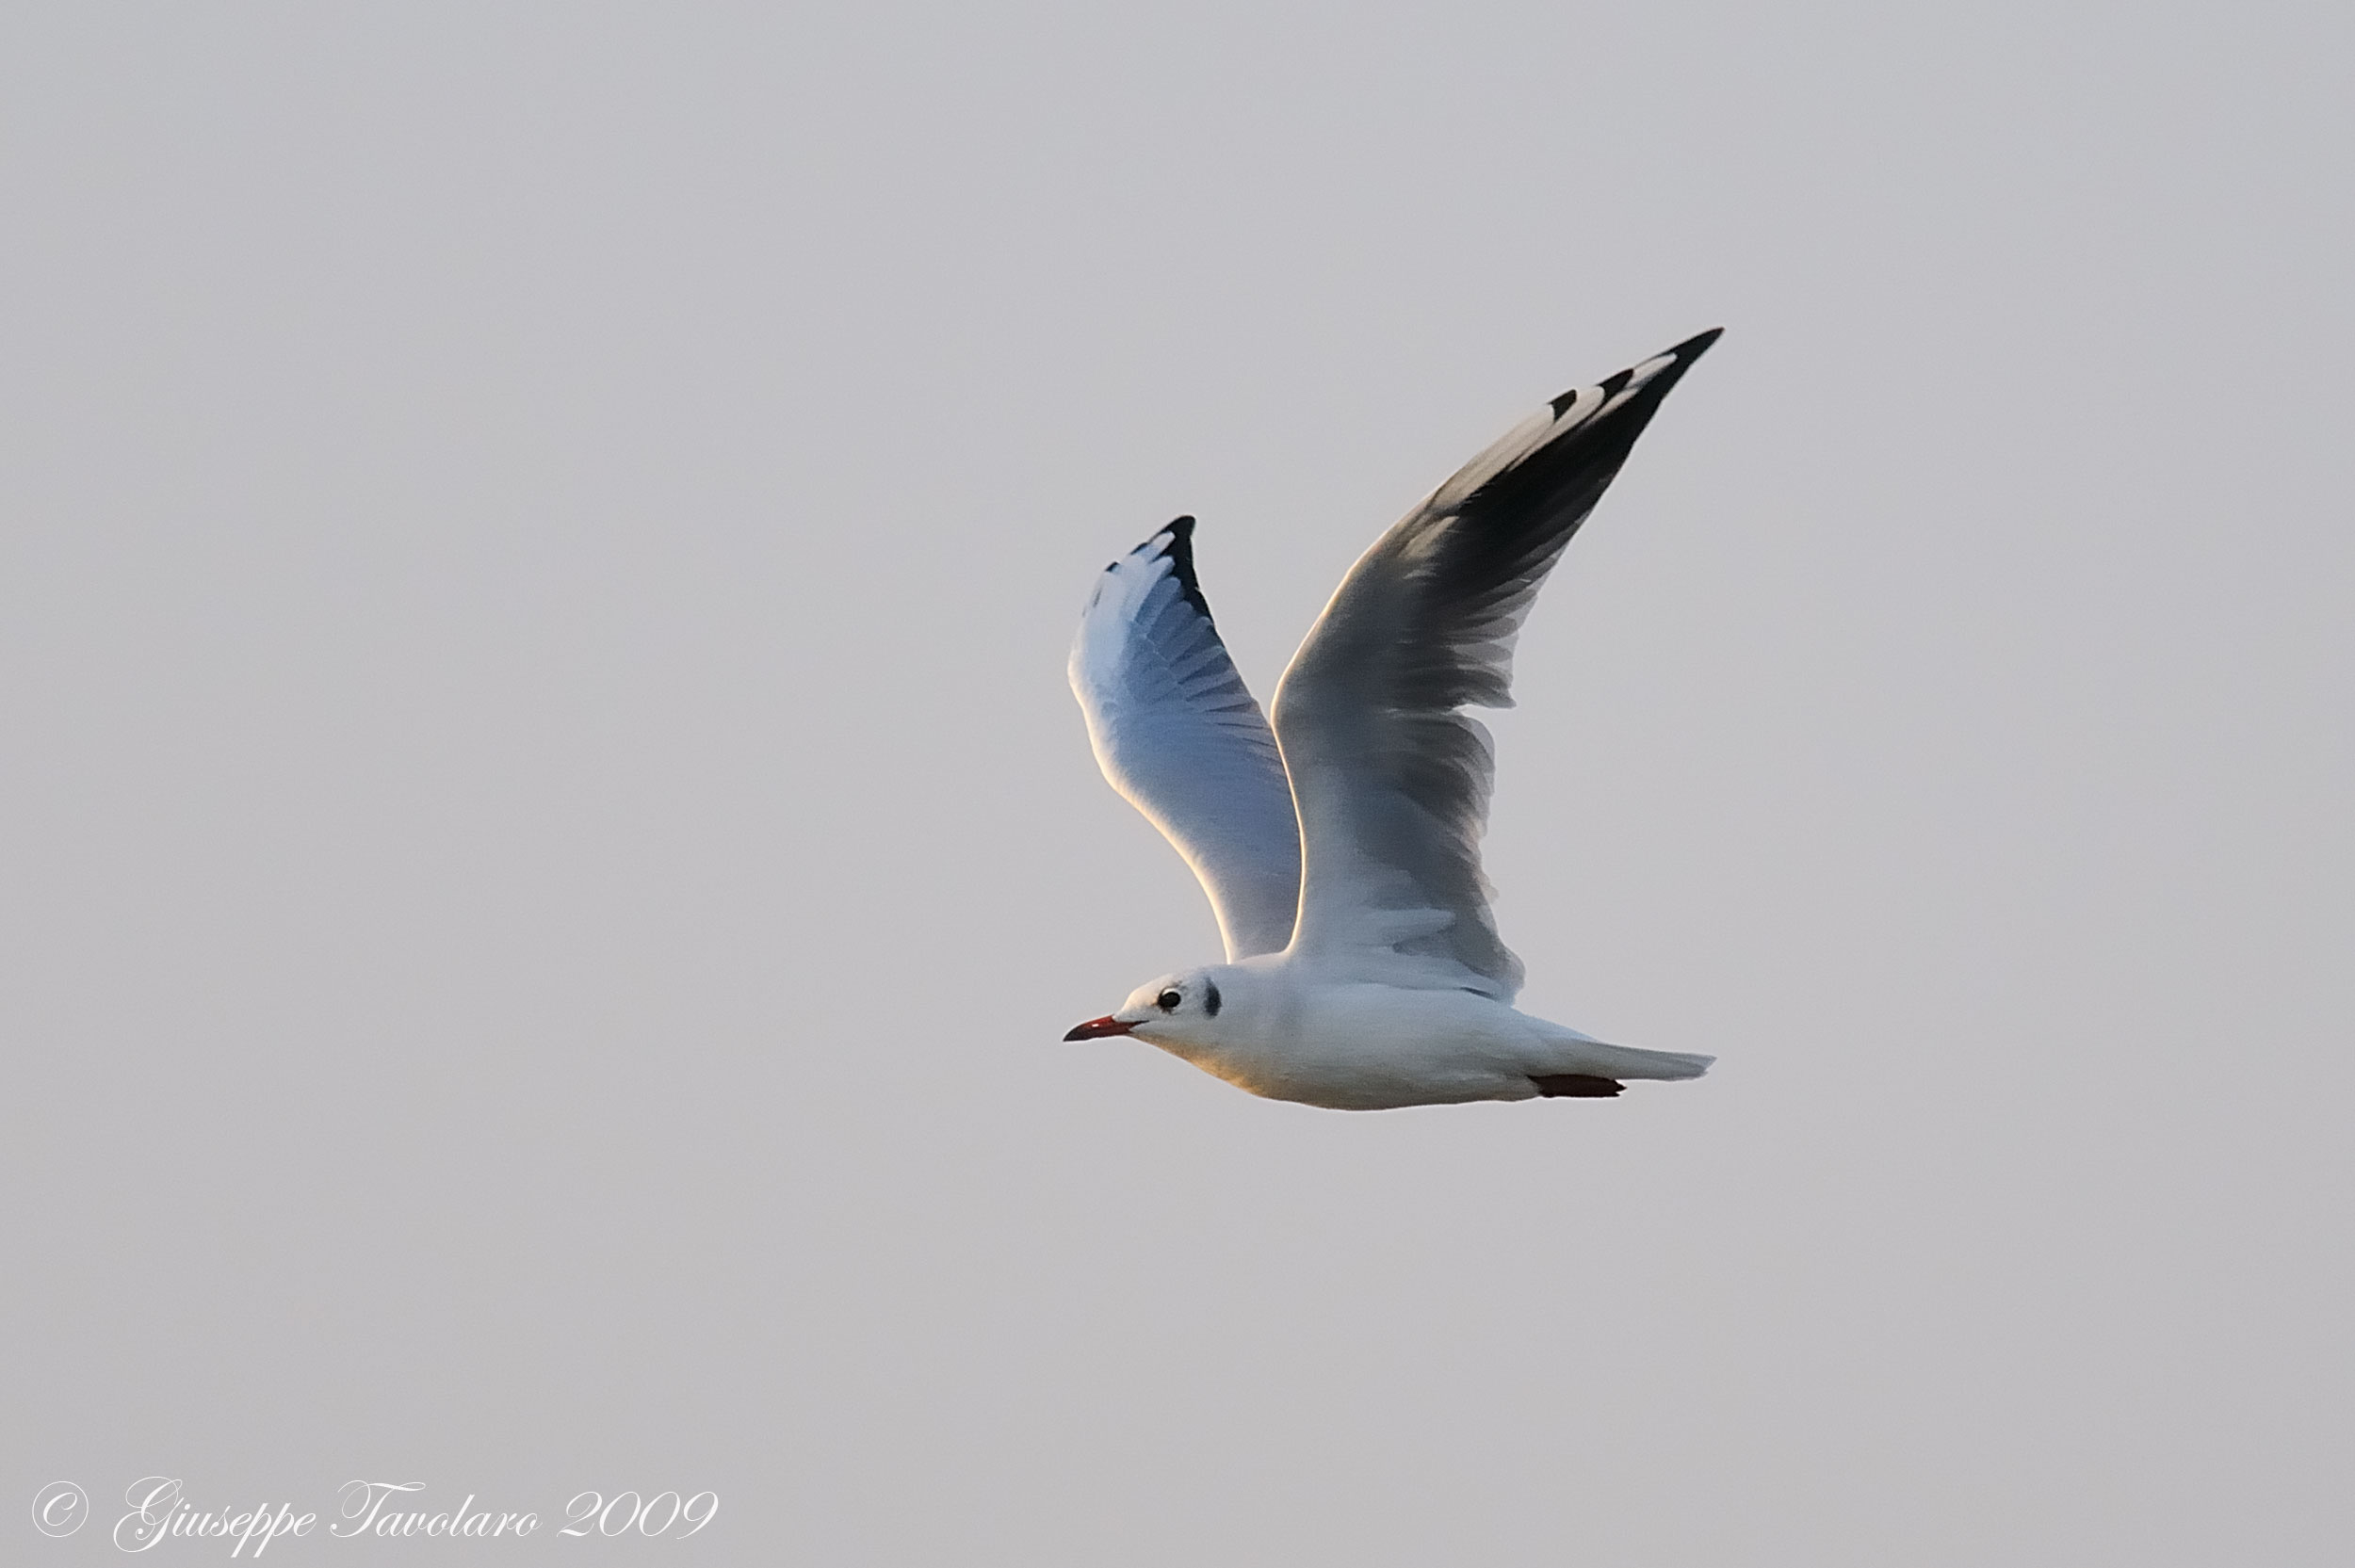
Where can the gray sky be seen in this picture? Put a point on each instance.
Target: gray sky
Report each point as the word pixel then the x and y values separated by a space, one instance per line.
pixel 545 852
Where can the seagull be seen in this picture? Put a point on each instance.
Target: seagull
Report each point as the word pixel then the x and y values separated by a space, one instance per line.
pixel 1339 836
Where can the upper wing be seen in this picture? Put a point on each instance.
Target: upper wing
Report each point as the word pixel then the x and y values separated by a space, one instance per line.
pixel 1176 733
pixel 1392 781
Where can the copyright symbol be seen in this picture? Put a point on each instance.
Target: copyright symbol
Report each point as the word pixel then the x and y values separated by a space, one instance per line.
pixel 61 1509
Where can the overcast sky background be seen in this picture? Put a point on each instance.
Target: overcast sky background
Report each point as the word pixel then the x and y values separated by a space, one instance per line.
pixel 545 852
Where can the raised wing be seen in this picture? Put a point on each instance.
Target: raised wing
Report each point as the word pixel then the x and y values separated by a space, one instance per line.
pixel 1176 733
pixel 1392 779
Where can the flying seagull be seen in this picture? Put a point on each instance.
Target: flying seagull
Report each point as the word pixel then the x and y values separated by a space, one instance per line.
pixel 1340 844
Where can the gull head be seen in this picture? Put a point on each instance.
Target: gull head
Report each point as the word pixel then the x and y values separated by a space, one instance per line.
pixel 1173 1011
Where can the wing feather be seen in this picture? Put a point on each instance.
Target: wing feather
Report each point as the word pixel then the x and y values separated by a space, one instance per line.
pixel 1391 778
pixel 1180 735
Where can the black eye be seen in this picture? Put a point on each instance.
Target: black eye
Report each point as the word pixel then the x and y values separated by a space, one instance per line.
pixel 1167 1001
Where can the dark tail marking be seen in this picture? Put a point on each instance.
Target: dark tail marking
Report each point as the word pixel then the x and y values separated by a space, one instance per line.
pixel 1575 1085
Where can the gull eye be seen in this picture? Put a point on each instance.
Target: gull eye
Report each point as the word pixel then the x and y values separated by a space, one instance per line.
pixel 1167 1001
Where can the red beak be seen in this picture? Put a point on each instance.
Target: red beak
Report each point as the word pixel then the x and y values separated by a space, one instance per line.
pixel 1097 1029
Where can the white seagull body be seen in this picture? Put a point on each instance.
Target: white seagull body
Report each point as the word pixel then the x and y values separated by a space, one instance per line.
pixel 1340 845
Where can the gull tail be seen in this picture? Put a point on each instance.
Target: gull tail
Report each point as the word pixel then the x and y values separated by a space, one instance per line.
pixel 1580 1068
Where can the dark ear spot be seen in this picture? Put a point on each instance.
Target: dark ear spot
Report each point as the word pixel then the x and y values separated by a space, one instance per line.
pixel 1210 997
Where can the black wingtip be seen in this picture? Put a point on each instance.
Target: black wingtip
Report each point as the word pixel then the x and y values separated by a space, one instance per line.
pixel 1684 354
pixel 1655 390
pixel 1695 347
pixel 1180 554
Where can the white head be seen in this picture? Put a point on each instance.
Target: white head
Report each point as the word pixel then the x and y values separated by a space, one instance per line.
pixel 1174 1013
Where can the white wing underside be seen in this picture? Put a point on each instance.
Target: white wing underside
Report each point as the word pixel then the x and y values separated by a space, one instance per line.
pixel 1359 816
pixel 1178 734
